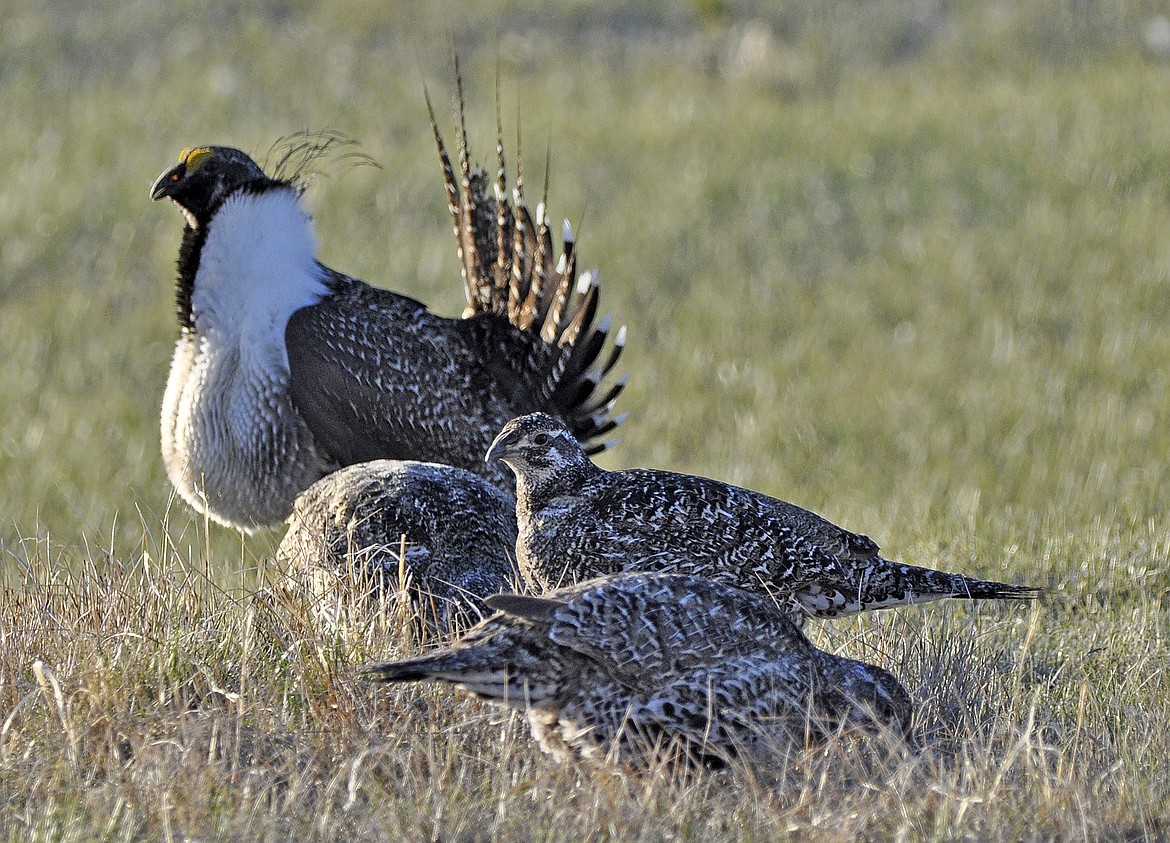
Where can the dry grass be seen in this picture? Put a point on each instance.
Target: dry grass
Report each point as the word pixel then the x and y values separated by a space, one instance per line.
pixel 144 700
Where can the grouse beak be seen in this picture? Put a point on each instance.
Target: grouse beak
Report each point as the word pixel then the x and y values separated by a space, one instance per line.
pixel 164 185
pixel 501 448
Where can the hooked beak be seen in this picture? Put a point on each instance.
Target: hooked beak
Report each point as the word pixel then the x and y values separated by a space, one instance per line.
pixel 501 448
pixel 164 185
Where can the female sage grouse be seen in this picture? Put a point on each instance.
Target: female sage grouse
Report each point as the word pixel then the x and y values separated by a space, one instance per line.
pixel 446 535
pixel 579 521
pixel 635 665
pixel 286 369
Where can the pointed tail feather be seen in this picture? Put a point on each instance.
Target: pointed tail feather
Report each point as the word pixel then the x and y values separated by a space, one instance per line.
pixel 413 670
pixel 483 656
pixel 970 589
pixel 604 404
pixel 883 584
pixel 891 584
pixel 503 213
pixel 581 395
pixel 486 674
pixel 510 268
pixel 928 582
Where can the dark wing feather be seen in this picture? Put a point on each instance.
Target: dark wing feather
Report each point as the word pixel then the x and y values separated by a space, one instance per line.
pixel 699 513
pixel 375 375
pixel 395 383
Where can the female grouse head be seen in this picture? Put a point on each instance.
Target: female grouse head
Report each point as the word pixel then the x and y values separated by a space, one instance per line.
pixel 542 452
pixel 865 696
pixel 204 177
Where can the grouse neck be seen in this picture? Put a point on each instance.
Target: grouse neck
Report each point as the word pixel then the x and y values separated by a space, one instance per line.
pixel 536 490
pixel 251 266
pixel 189 251
pixel 194 235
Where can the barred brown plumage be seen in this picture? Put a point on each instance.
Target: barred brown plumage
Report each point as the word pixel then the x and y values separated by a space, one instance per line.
pixel 578 521
pixel 445 534
pixel 637 665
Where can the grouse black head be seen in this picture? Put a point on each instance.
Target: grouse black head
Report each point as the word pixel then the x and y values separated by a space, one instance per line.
pixel 540 449
pixel 203 178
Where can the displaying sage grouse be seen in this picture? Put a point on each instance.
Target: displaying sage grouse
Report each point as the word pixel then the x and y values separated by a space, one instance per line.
pixel 286 369
pixel 579 521
pixel 633 665
pixel 446 534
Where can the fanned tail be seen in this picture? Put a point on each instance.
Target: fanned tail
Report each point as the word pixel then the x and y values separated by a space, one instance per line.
pixel 510 268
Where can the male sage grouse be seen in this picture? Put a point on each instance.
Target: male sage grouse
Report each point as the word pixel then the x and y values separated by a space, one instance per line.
pixel 286 369
pixel 634 665
pixel 579 521
pixel 367 530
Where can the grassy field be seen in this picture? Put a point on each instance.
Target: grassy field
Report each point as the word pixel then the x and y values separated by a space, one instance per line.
pixel 902 263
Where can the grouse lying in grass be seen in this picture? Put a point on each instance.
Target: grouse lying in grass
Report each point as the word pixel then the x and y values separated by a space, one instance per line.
pixel 578 521
pixel 635 665
pixel 446 534
pixel 286 369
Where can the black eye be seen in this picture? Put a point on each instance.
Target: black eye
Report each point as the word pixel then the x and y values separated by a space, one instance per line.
pixel 541 439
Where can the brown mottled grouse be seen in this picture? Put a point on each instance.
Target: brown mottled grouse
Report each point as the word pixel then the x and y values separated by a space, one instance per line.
pixel 286 369
pixel 447 533
pixel 640 664
pixel 578 521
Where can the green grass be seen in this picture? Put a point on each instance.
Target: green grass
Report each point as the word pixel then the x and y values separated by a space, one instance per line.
pixel 911 272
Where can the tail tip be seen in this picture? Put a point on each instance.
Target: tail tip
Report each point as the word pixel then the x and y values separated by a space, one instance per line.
pixel 588 279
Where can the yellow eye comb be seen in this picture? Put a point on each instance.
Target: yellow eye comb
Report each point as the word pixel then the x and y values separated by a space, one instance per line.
pixel 194 158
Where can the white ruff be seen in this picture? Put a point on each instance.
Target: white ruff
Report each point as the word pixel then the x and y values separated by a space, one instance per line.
pixel 257 267
pixel 230 437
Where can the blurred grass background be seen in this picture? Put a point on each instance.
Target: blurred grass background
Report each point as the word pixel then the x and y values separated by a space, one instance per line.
pixel 897 261
pixel 904 263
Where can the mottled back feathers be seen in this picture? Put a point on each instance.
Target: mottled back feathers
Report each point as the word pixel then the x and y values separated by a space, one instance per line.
pixel 446 534
pixel 629 665
pixel 577 521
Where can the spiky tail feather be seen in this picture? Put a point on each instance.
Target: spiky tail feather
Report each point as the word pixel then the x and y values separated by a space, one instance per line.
pixel 962 587
pixel 510 268
pixel 412 670
pixel 891 584
pixel 449 666
pixel 980 590
pixel 474 672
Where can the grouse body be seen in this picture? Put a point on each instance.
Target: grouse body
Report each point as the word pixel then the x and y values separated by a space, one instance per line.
pixel 286 369
pixel 577 521
pixel 445 534
pixel 634 664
